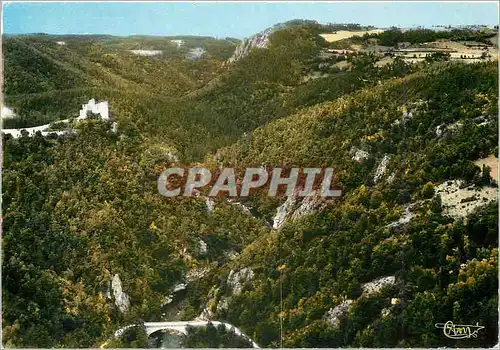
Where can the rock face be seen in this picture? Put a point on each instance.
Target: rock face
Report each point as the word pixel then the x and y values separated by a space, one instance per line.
pixel 223 304
pixel 308 205
pixel 381 169
pixel 195 53
pixel 146 52
pixel 459 201
pixel 259 40
pixel 390 178
pixel 283 211
pixel 442 129
pixel 294 208
pixel 375 286
pixel 208 312
pixel 236 280
pixel 196 273
pixel 209 202
pixel 406 218
pixel 334 315
pixel 177 288
pixel 203 247
pixel 359 155
pixel 177 42
pixel 122 300
pixel 385 312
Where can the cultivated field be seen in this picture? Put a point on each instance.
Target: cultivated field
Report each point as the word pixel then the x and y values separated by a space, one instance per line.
pixel 345 34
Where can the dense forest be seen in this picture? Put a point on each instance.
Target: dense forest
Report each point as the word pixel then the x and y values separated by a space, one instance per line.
pixel 81 209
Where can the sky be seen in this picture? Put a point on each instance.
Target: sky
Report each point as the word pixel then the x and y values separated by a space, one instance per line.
pixel 229 19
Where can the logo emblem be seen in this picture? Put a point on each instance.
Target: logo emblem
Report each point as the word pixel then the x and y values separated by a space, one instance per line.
pixel 459 331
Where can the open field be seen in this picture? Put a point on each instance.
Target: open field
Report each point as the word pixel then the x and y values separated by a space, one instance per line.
pixel 345 34
pixel 457 51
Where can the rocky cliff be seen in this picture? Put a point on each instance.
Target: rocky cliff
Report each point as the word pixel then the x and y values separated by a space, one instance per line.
pixel 259 40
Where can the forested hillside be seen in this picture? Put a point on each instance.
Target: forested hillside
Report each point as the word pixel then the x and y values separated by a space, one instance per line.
pixel 91 246
pixel 328 255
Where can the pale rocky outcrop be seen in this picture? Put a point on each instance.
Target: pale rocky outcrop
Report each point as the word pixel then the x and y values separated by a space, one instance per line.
pixel 405 219
pixel 283 211
pixel 223 304
pixel 413 109
pixel 452 128
pixel 207 313
pixel 231 255
pixel 484 120
pixel 296 207
pixel 203 247
pixel 334 315
pixel 172 156
pixel 458 201
pixel 177 42
pixel 196 273
pixel 237 279
pixel 390 178
pixel 308 205
pixel 167 300
pixel 385 312
pixel 375 286
pixel 210 204
pixel 407 116
pixel 259 40
pixel 381 168
pixel 177 288
pixel 122 300
pixel 195 53
pixel 358 155
pixel 146 52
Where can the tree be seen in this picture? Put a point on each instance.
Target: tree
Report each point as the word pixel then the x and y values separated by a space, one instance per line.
pixel 428 190
pixel 485 175
pixel 437 57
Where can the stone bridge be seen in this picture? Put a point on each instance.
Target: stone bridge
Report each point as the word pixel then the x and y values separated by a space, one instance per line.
pixel 181 326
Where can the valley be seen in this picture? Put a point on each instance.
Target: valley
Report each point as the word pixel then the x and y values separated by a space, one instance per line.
pixel 90 246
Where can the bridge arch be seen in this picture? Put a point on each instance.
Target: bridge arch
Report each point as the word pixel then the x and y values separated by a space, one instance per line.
pixel 181 327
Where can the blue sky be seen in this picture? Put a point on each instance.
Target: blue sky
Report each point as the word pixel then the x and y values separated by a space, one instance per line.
pixel 223 19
